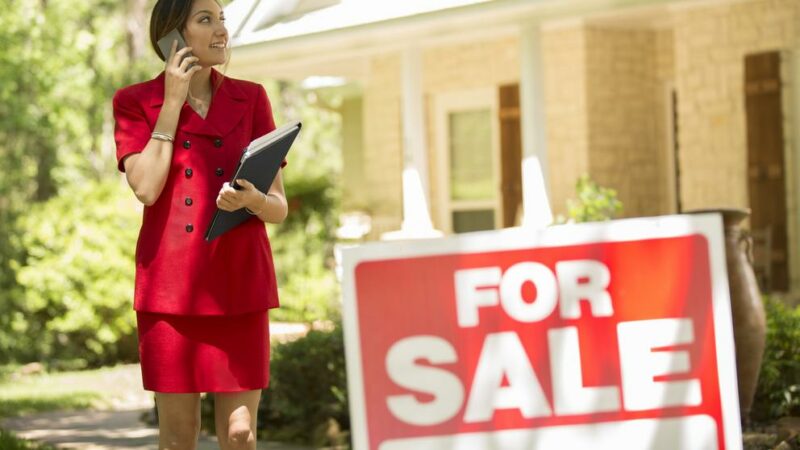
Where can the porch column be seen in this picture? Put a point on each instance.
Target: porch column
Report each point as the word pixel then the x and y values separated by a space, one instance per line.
pixel 535 204
pixel 416 194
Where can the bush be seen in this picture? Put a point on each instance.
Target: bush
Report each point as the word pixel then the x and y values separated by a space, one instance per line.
pixel 594 203
pixel 303 245
pixel 778 391
pixel 303 250
pixel 9 441
pixel 307 399
pixel 75 278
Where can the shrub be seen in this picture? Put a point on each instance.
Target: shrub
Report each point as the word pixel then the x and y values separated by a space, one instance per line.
pixel 76 277
pixel 303 244
pixel 307 398
pixel 778 391
pixel 303 250
pixel 594 203
pixel 9 441
pixel 306 402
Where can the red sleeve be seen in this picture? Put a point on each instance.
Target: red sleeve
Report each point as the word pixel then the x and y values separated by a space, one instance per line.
pixel 263 122
pixel 131 131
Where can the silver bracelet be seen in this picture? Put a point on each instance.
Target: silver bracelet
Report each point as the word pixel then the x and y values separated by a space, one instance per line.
pixel 257 213
pixel 159 136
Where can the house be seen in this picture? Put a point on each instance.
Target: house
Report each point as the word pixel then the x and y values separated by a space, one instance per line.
pixel 470 114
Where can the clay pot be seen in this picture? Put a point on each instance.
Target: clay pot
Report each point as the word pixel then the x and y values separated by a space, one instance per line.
pixel 747 310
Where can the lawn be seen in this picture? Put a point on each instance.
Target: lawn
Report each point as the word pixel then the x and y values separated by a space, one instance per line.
pixel 29 394
pixel 96 389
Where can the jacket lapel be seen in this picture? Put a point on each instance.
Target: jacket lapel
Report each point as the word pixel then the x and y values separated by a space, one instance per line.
pixel 228 105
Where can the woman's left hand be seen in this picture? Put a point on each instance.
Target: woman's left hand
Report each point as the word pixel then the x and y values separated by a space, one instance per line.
pixel 230 199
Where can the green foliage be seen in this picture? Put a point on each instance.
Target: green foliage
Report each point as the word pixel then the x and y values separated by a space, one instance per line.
pixel 303 244
pixel 61 296
pixel 594 203
pixel 778 391
pixel 76 277
pixel 9 441
pixel 307 398
pixel 63 60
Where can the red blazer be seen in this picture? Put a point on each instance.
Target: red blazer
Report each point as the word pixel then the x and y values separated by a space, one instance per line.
pixel 177 271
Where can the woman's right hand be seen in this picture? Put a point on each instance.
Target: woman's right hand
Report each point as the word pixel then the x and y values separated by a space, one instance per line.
pixel 178 75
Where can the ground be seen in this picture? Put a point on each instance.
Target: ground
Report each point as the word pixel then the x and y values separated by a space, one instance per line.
pixel 103 410
pixel 114 403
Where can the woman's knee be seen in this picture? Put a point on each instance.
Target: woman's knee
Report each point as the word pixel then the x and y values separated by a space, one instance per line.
pixel 178 421
pixel 240 435
pixel 182 432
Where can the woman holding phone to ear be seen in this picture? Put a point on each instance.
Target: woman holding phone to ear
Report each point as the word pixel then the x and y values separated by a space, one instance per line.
pixel 201 306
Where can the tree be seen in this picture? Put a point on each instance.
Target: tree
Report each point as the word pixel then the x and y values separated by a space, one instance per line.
pixel 62 63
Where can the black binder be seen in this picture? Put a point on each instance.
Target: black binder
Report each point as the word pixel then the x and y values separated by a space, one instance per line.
pixel 259 164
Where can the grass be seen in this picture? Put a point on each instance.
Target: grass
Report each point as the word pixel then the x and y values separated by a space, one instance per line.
pixel 8 441
pixel 61 391
pixel 41 393
pixel 12 406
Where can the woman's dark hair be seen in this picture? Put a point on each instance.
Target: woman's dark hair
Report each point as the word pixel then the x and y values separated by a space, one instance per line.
pixel 168 14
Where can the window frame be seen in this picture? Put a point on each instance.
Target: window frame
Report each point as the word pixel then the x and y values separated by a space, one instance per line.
pixel 462 101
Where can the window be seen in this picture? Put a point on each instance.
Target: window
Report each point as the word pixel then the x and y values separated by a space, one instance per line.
pixel 469 198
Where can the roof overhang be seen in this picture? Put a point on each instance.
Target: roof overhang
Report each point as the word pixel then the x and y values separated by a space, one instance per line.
pixel 345 51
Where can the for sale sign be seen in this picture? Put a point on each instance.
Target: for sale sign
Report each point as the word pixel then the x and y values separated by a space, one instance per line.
pixel 598 336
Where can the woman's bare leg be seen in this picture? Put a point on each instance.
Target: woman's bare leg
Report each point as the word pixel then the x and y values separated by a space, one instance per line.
pixel 235 415
pixel 178 420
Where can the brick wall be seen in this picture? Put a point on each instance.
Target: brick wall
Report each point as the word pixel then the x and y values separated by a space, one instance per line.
pixel 664 125
pixel 606 107
pixel 564 57
pixel 622 114
pixel 383 152
pixel 710 47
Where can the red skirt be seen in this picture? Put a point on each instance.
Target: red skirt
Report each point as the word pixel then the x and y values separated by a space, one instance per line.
pixel 182 354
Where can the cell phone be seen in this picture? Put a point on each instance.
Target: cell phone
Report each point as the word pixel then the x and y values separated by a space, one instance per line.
pixel 165 45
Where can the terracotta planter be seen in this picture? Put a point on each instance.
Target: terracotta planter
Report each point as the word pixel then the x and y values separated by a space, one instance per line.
pixel 747 310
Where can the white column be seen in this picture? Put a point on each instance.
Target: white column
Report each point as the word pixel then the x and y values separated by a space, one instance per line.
pixel 535 204
pixel 416 193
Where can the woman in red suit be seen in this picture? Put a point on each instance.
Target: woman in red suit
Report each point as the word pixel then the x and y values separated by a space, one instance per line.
pixel 201 307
